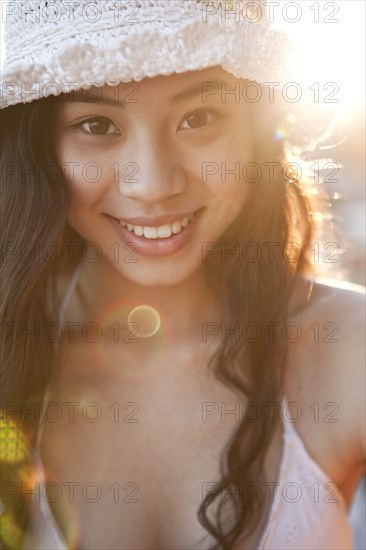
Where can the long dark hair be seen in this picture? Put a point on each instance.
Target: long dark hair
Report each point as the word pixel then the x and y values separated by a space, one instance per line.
pixel 34 215
pixel 257 291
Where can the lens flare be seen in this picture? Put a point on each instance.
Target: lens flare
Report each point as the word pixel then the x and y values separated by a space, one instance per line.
pixel 132 341
pixel 280 134
pixel 13 447
pixel 147 320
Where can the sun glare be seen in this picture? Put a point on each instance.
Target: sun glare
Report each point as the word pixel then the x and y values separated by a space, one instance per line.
pixel 331 39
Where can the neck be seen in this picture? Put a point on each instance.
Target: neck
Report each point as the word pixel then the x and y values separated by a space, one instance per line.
pixel 182 308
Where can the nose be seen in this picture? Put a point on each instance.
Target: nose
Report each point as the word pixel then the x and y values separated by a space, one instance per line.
pixel 154 172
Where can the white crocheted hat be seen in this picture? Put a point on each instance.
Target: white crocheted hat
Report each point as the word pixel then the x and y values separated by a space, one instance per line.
pixel 58 46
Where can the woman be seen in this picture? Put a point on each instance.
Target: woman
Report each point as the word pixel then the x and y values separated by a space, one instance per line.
pixel 179 377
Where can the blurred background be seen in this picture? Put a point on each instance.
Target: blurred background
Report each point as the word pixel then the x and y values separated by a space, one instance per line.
pixel 331 37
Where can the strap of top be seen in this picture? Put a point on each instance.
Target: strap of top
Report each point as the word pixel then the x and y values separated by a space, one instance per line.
pixel 65 302
pixel 290 413
pixel 69 292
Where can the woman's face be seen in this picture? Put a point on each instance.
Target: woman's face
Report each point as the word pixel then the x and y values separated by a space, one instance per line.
pixel 143 157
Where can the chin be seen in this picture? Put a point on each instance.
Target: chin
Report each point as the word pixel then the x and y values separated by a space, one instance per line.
pixel 158 275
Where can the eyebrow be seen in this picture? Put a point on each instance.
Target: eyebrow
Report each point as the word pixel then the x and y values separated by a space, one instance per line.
pixel 196 90
pixel 79 96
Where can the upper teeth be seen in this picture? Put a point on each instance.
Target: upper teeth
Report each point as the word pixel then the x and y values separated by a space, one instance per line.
pixel 162 232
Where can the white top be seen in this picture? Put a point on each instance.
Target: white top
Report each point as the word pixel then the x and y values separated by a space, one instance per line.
pixel 306 512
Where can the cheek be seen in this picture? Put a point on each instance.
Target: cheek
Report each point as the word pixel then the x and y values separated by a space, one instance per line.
pixel 223 171
pixel 88 180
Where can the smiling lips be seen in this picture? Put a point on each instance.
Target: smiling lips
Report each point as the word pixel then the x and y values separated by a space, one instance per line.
pixel 158 232
pixel 159 236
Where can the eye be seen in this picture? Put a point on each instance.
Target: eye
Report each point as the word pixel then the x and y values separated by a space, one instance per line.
pixel 199 119
pixel 98 126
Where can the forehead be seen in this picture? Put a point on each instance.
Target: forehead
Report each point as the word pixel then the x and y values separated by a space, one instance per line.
pixel 172 87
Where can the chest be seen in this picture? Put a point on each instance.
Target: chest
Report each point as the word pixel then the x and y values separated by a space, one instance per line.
pixel 134 460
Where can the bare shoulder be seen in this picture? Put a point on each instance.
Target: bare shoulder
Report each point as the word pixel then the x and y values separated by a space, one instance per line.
pixel 335 293
pixel 337 309
pixel 328 361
